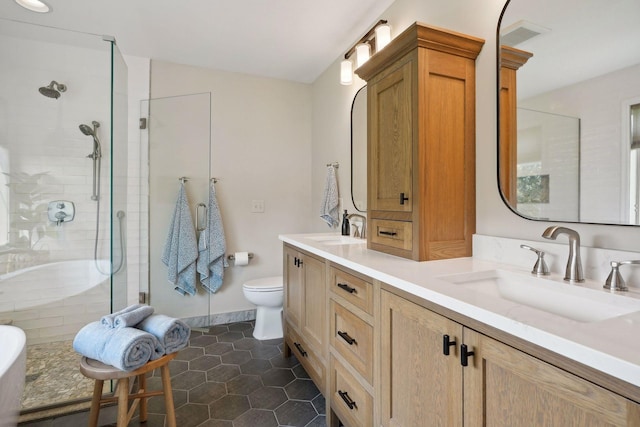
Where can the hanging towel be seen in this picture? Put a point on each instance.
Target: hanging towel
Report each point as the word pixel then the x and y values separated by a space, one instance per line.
pixel 124 348
pixel 173 334
pixel 129 316
pixel 212 247
pixel 181 249
pixel 329 208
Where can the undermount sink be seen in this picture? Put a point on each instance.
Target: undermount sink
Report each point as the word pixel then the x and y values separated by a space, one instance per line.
pixel 562 299
pixel 334 239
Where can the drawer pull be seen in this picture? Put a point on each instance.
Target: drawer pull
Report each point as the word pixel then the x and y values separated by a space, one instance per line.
pixel 446 343
pixel 403 198
pixel 345 396
pixel 345 336
pixel 347 288
pixel 388 233
pixel 300 349
pixel 464 355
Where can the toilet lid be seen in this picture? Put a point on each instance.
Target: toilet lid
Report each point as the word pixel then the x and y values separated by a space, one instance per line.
pixel 265 284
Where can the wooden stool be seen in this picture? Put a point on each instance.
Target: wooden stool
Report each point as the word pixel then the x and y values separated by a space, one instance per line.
pixel 100 372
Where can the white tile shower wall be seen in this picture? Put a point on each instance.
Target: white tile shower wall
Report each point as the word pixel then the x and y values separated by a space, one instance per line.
pixel 600 144
pixel 43 137
pixel 595 261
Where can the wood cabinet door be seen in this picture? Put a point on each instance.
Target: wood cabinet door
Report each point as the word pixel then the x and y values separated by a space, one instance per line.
pixel 390 127
pixel 292 287
pixel 420 385
pixel 506 387
pixel 314 318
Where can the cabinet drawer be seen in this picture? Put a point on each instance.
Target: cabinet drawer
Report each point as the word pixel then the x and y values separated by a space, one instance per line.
pixel 352 288
pixel 349 399
pixel 307 356
pixel 352 337
pixel 395 234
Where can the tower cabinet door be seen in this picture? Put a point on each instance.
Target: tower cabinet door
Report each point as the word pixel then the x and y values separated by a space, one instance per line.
pixel 506 387
pixel 419 384
pixel 390 140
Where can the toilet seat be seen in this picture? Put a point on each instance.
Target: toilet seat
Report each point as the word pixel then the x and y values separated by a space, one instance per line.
pixel 264 284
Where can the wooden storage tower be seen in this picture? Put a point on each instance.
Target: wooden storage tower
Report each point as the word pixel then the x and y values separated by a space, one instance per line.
pixel 421 144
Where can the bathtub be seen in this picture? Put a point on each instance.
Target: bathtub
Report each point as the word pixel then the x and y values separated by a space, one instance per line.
pixel 12 371
pixel 48 283
pixel 51 302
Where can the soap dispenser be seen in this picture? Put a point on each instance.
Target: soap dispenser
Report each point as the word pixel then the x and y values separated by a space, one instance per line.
pixel 345 224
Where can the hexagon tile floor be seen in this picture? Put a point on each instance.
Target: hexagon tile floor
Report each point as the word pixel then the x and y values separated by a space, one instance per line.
pixel 227 378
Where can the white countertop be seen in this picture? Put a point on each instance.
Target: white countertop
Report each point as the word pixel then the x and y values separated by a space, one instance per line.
pixel 611 346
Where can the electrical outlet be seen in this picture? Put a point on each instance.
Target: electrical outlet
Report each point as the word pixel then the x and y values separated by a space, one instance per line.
pixel 257 206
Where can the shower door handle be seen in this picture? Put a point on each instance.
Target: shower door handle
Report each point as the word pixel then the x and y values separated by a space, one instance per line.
pixel 204 217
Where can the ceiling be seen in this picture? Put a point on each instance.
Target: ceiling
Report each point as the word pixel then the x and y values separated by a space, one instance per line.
pixel 293 40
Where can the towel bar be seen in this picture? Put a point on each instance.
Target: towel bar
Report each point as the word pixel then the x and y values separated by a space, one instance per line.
pixel 334 164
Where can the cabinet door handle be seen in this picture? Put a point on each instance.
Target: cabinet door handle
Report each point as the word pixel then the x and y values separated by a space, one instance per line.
pixel 403 199
pixel 345 336
pixel 345 396
pixel 465 354
pixel 296 261
pixel 388 233
pixel 446 343
pixel 300 349
pixel 347 288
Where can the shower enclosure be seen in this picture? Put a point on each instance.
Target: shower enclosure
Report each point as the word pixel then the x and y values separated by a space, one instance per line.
pixel 63 195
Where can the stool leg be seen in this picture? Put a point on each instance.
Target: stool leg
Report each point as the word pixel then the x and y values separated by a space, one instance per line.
pixel 168 395
pixel 95 403
pixel 142 383
pixel 123 402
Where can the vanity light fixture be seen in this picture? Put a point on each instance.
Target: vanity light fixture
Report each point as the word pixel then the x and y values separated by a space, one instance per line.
pixel 34 5
pixel 375 39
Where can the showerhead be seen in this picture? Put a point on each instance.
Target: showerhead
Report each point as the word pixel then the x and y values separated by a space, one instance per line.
pixel 53 89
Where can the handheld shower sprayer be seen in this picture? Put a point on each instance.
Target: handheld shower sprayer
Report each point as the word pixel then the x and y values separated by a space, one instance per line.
pixel 96 155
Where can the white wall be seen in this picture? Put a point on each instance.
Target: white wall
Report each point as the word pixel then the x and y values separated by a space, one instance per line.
pixel 260 150
pixel 477 18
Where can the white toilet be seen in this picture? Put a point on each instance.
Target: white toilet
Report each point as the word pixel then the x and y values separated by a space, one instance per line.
pixel 267 294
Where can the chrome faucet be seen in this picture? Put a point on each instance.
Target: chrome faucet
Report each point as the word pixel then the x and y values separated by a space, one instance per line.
pixel 362 234
pixel 573 272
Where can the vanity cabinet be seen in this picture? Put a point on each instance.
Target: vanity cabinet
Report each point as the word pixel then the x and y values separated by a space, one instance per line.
pixel 421 144
pixel 305 311
pixel 499 386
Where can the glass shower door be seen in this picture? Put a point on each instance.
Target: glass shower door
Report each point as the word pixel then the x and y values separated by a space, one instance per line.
pixel 178 135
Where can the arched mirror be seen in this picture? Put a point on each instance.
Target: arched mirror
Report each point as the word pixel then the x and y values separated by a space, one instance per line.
pixel 569 110
pixel 359 150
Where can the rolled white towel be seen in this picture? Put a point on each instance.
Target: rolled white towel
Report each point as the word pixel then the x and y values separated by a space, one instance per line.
pixel 129 316
pixel 124 348
pixel 172 333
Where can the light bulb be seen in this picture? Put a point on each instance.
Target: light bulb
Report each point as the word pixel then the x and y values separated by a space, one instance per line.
pixel 383 36
pixel 363 52
pixel 346 72
pixel 34 5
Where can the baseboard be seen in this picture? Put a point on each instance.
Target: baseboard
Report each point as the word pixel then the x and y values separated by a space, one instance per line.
pixel 220 318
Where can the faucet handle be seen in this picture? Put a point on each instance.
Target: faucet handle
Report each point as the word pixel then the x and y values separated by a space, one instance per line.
pixel 540 267
pixel 614 281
